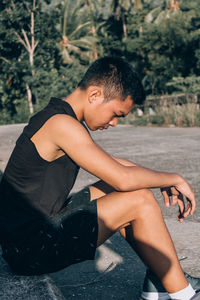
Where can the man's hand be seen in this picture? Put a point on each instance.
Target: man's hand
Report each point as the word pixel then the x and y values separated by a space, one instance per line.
pixel 176 194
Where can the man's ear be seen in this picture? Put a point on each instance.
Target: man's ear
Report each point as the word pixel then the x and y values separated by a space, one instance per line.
pixel 95 93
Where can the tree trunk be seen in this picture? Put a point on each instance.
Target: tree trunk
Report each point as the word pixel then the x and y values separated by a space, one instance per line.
pixel 94 52
pixel 30 103
pixel 33 45
pixel 137 4
pixel 124 25
pixel 174 4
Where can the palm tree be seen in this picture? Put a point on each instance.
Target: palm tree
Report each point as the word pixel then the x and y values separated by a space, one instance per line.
pixel 137 4
pixel 75 27
pixel 94 9
pixel 121 8
pixel 158 15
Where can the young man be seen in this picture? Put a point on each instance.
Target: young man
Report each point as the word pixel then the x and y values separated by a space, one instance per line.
pixel 43 229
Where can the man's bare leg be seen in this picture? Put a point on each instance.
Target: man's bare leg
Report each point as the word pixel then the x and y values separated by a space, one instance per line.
pixel 138 217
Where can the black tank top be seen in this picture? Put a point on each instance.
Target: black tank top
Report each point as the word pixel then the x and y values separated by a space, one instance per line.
pixel 33 189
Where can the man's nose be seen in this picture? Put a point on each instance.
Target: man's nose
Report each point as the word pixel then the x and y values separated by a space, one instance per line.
pixel 113 122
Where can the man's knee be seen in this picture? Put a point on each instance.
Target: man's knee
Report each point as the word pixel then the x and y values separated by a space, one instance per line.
pixel 150 204
pixel 144 202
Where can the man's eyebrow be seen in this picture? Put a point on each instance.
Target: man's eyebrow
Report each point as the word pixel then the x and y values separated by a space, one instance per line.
pixel 120 115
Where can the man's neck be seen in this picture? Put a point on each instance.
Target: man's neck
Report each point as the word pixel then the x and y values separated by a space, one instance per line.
pixel 77 101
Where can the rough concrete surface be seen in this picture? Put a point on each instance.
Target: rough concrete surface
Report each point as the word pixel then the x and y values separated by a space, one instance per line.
pixel 117 272
pixel 14 287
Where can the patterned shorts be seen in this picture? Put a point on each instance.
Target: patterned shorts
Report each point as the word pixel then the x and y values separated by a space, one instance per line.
pixel 68 238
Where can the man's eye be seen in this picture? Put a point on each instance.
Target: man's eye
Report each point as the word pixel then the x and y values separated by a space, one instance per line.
pixel 119 116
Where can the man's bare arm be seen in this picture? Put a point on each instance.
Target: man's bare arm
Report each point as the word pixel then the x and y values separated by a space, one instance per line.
pixel 171 195
pixel 125 162
pixel 70 136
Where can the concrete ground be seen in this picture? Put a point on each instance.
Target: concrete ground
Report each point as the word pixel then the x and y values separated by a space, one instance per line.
pixel 117 273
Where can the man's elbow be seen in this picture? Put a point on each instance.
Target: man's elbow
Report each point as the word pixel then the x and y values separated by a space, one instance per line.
pixel 123 184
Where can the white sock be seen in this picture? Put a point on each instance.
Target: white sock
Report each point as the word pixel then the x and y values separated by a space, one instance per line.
pixel 184 294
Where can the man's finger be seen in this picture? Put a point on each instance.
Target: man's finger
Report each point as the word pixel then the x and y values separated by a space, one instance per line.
pixel 192 204
pixel 181 205
pixel 174 199
pixel 174 191
pixel 166 197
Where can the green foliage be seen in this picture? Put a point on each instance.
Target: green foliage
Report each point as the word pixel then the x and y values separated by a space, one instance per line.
pixel 188 85
pixel 57 83
pixel 165 49
pixel 16 69
pixel 75 26
pixel 162 42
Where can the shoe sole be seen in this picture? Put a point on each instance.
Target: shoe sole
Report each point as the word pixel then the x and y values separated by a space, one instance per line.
pixel 154 296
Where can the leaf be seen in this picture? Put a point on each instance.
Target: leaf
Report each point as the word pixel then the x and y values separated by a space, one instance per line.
pixel 79 28
pixel 152 15
pixel 66 59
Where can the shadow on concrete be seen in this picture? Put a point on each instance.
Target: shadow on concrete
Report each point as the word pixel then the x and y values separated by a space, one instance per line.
pixel 95 280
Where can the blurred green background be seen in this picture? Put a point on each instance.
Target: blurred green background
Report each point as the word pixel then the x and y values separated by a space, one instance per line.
pixel 47 45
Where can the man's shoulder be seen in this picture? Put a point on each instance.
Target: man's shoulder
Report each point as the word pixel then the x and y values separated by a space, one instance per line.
pixel 62 121
pixel 62 118
pixel 64 125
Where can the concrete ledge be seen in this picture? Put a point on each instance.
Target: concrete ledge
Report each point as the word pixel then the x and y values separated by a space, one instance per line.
pixel 14 287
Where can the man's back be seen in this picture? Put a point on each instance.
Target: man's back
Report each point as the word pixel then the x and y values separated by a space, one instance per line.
pixel 33 188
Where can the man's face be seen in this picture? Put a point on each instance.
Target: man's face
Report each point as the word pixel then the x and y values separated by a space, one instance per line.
pixel 106 113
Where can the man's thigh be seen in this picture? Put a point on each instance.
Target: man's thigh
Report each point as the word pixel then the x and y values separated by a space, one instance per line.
pixel 100 189
pixel 116 210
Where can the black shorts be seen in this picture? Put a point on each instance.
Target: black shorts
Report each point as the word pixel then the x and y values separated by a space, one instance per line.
pixel 68 238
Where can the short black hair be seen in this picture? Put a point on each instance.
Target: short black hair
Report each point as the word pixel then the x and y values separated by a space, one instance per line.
pixel 117 77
